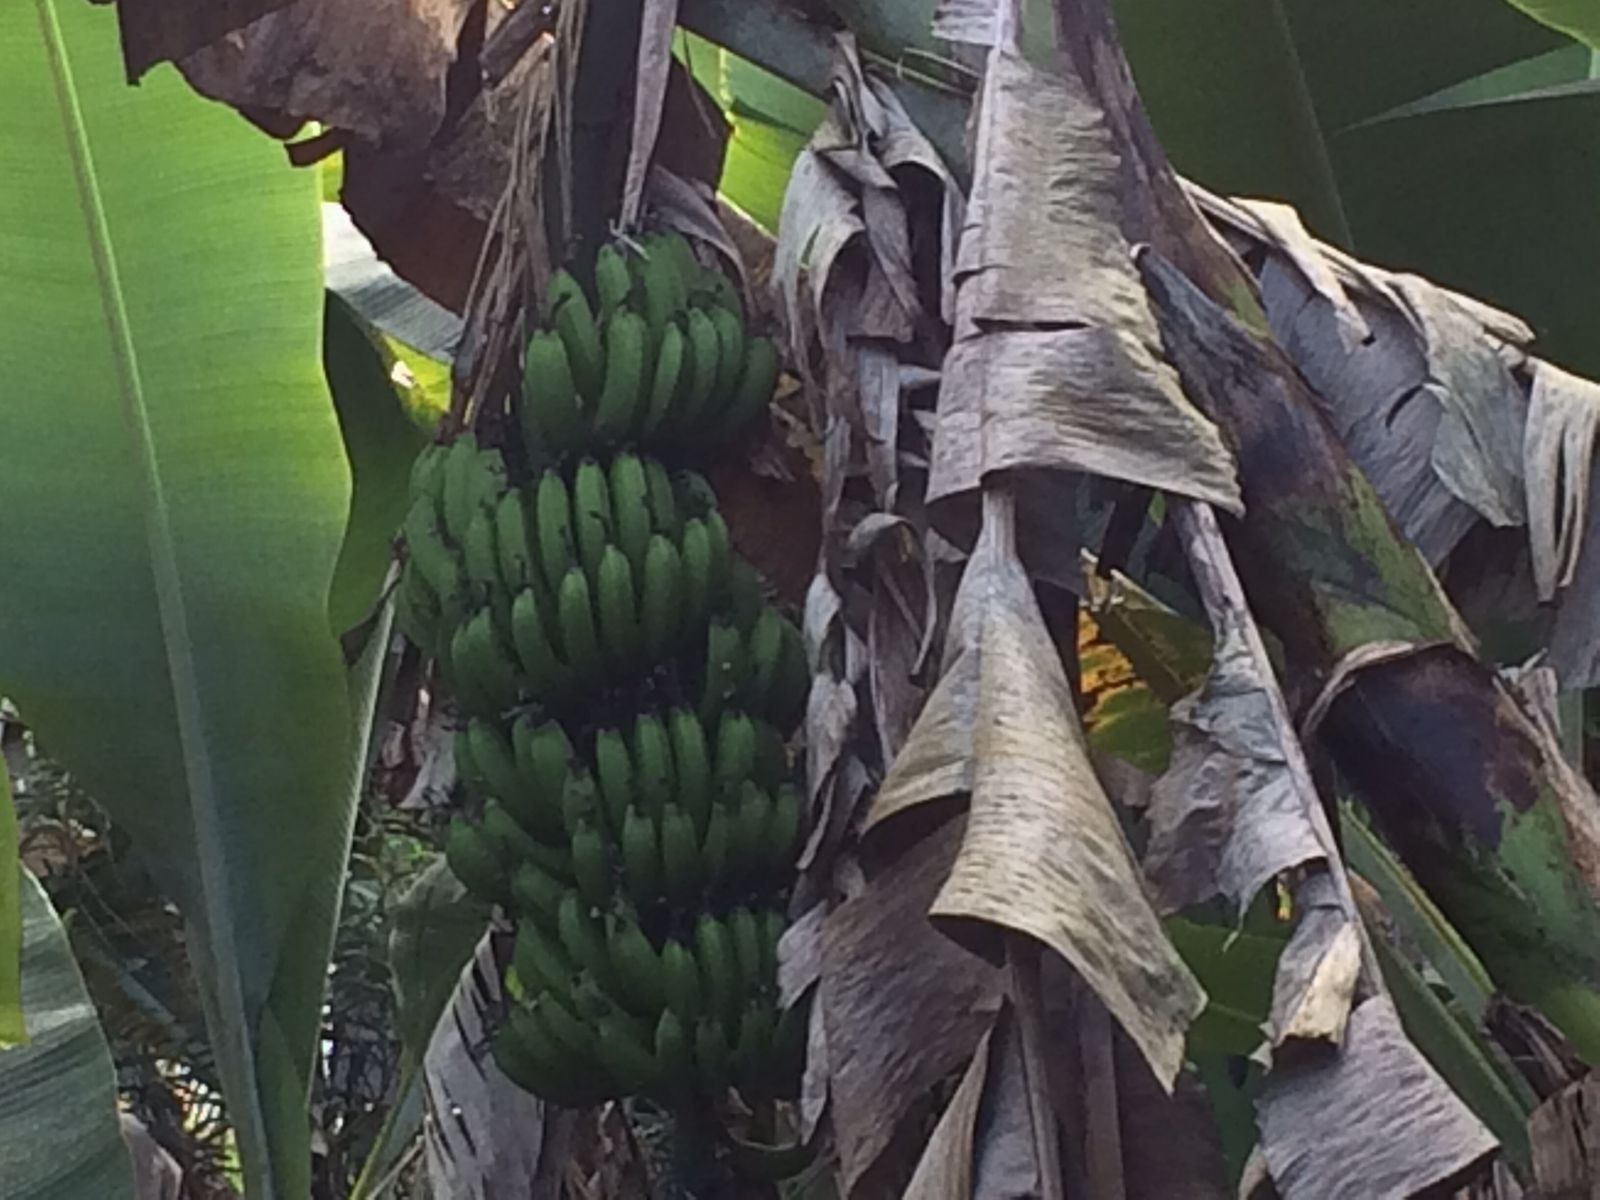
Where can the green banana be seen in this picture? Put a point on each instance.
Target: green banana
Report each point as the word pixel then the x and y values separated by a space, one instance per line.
pixel 680 981
pixel 753 1052
pixel 697 392
pixel 541 963
pixel 764 656
pixel 578 637
pixel 591 515
pixel 480 554
pixel 745 932
pixel 718 291
pixel 772 929
pixel 574 322
pixel 619 611
pixel 629 1060
pixel 772 756
pixel 530 634
pixel 589 864
pixel 779 840
pixel 636 965
pixel 511 541
pixel 681 877
pixel 746 598
pixel 551 412
pixel 712 1055
pixel 553 519
pixel 730 359
pixel 714 848
pixel 474 860
pixel 580 800
pixel 666 381
pixel 697 583
pixel 613 767
pixel 792 688
pixel 460 486
pixel 721 560
pixel 416 608
pixel 543 757
pixel 662 294
pixel 695 493
pixel 430 554
pixel 488 481
pixel 582 937
pixel 467 770
pixel 661 597
pixel 536 895
pixel 753 393
pixel 736 753
pixel 427 474
pixel 483 659
pixel 719 977
pixel 641 857
pixel 537 1071
pixel 653 773
pixel 454 655
pixel 621 404
pixel 563 1025
pixel 663 503
pixel 674 1059
pixel 748 832
pixel 491 757
pixel 630 507
pixel 513 843
pixel 691 761
pixel 613 281
pixel 530 1021
pixel 725 658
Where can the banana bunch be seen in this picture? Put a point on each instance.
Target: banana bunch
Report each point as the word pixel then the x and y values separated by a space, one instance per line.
pixel 662 356
pixel 628 696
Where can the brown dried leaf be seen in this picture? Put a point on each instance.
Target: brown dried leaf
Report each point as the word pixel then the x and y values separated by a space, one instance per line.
pixel 1044 853
pixel 376 70
pixel 901 1004
pixel 657 20
pixel 155 31
pixel 1005 1161
pixel 1564 1141
pixel 1318 970
pixel 945 1170
pixel 1373 1119
pixel 1170 1146
pixel 1558 458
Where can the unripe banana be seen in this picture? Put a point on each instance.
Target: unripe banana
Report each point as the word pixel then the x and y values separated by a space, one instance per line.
pixel 467 770
pixel 714 848
pixel 530 1022
pixel 589 864
pixel 666 382
pixel 730 361
pixel 724 671
pixel 753 393
pixel 582 937
pixel 580 800
pixel 551 412
pixel 719 977
pixel 772 927
pixel 564 1026
pixel 746 597
pixel 772 757
pixel 430 554
pixel 553 519
pixel 536 896
pixel 660 287
pixel 680 856
pixel 691 760
pixel 753 1053
pixel 578 637
pixel 595 1003
pixel 718 291
pixel 543 758
pixel 613 281
pixel 696 497
pixel 641 857
pixel 416 609
pixel 531 630
pixel 654 775
pixel 480 555
pixel 541 963
pixel 736 753
pixel 491 757
pixel 782 835
pixel 489 480
pixel 748 833
pixel 764 654
pixel 580 335
pixel 680 981
pixel 613 767
pixel 661 603
pixel 674 1059
pixel 486 661
pixel 697 584
pixel 474 860
pixel 460 486
pixel 721 557
pixel 621 404
pixel 619 612
pixel 512 542
pixel 630 507
pixel 745 932
pixel 513 843
pixel 663 503
pixel 427 474
pixel 636 965
pixel 792 689
pixel 457 661
pixel 712 1055
pixel 629 1060
pixel 593 518
pixel 532 1072
pixel 699 385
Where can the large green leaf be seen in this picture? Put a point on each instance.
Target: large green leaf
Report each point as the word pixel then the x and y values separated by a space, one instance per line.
pixel 1577 18
pixel 175 496
pixel 59 1137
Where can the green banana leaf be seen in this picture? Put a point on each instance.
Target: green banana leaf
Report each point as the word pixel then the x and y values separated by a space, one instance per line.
pixel 59 1135
pixel 1576 18
pixel 381 441
pixel 13 1029
pixel 175 495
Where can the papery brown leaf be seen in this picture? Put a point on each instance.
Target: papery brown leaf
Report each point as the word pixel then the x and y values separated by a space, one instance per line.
pixel 944 1172
pixel 155 31
pixel 1315 987
pixel 1043 852
pixel 902 1005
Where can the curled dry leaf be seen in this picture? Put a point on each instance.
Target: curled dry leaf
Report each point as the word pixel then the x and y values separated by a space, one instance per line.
pixel 944 1172
pixel 155 31
pixel 901 1004
pixel 1319 969
pixel 1044 853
